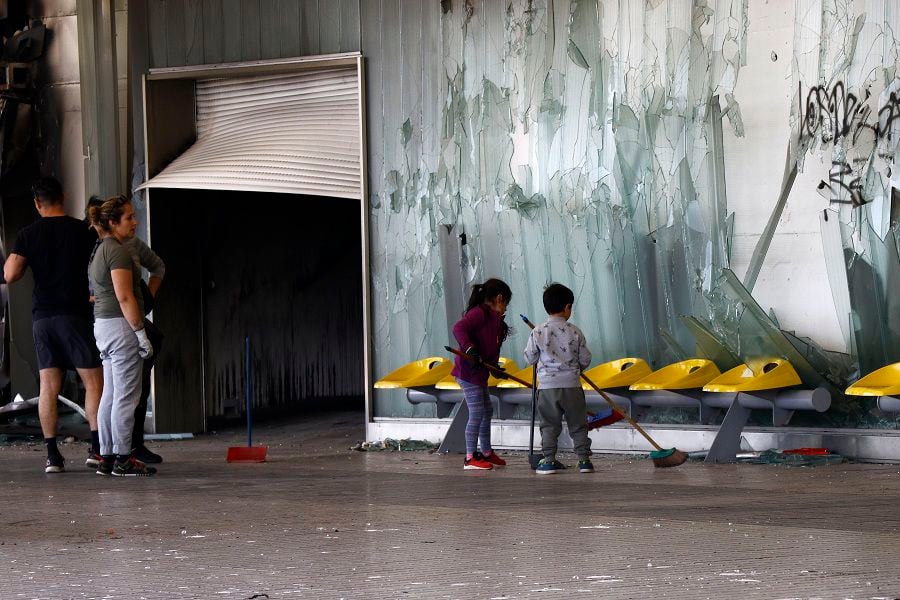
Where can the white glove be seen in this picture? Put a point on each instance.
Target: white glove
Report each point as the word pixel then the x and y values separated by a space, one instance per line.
pixel 146 350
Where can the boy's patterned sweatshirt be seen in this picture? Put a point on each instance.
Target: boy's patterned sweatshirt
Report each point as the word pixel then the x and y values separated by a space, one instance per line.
pixel 560 351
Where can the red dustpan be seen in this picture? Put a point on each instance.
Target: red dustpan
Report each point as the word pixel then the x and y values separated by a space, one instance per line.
pixel 248 453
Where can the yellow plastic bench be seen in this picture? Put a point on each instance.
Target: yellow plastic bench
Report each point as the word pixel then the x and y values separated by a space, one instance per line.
pixel 883 383
pixel 678 385
pixel 685 375
pixel 614 378
pixel 618 373
pixel 765 384
pixel 773 374
pixel 419 373
pixel 420 379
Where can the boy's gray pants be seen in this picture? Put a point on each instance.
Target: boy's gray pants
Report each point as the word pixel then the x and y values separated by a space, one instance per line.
pixel 122 377
pixel 552 405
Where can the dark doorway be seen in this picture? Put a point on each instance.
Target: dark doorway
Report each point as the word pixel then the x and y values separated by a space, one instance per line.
pixel 285 270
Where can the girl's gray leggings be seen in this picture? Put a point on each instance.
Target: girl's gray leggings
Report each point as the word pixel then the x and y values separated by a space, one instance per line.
pixel 122 378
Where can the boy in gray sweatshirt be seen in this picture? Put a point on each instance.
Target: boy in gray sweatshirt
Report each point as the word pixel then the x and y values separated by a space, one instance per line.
pixel 560 351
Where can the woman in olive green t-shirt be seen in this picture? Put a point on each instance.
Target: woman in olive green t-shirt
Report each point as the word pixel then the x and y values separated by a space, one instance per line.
pixel 121 339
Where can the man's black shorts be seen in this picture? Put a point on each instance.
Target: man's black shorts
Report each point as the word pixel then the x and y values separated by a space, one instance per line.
pixel 65 342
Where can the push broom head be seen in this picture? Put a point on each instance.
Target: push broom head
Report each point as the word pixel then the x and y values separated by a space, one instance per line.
pixel 670 457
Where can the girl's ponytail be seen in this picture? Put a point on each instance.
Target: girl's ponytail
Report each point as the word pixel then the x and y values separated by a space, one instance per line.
pixel 477 296
pixel 489 290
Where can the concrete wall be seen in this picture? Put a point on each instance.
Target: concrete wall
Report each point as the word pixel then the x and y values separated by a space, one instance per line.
pixel 60 107
pixel 793 283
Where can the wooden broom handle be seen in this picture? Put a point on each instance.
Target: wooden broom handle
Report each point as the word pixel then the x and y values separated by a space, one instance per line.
pixel 615 407
pixel 489 366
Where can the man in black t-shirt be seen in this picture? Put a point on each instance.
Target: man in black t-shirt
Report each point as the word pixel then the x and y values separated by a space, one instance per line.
pixel 57 248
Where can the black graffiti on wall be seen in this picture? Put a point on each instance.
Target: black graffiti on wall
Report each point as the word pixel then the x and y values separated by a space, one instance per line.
pixel 832 115
pixel 840 177
pixel 835 114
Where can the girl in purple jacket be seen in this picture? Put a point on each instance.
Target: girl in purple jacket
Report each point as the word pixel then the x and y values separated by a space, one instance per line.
pixel 480 334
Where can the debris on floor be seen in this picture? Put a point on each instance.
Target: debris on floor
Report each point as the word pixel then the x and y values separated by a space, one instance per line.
pixel 18 438
pixel 799 457
pixel 392 445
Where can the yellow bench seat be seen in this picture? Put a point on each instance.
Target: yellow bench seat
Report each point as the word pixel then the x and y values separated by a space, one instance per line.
pixel 618 373
pixel 881 382
pixel 419 373
pixel 773 374
pixel 685 375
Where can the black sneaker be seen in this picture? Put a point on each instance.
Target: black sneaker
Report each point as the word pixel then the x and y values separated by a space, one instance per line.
pixel 585 466
pixel 132 468
pixel 549 466
pixel 55 464
pixel 146 456
pixel 105 466
pixel 93 459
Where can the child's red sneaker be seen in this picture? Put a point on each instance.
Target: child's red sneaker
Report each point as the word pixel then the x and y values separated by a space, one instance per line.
pixel 495 460
pixel 478 462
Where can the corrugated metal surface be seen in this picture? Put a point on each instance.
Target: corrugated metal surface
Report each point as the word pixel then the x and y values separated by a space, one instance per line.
pixel 294 133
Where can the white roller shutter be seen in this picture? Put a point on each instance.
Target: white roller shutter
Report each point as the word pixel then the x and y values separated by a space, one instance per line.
pixel 292 133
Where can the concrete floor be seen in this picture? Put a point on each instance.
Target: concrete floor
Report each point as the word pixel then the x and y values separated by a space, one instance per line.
pixel 319 521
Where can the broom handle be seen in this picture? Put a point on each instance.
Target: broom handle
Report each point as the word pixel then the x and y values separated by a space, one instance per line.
pixel 615 407
pixel 489 366
pixel 248 390
pixel 534 393
pixel 609 401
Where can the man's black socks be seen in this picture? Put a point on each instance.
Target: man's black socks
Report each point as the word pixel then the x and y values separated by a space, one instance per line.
pixel 52 450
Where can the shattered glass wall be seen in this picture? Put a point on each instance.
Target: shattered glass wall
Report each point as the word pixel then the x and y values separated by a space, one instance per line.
pixel 844 124
pixel 583 141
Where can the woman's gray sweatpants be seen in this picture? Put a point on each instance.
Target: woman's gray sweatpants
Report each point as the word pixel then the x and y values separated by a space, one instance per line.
pixel 122 375
pixel 552 406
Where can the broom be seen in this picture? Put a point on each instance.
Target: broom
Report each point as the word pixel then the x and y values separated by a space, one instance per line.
pixel 662 457
pixel 248 453
pixel 533 459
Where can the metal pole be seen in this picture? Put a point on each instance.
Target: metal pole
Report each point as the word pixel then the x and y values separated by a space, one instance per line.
pixel 248 390
pixel 534 393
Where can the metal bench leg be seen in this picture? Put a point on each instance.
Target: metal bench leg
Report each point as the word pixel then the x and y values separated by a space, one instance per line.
pixel 443 409
pixel 505 410
pixel 708 414
pixel 455 439
pixel 728 440
pixel 781 417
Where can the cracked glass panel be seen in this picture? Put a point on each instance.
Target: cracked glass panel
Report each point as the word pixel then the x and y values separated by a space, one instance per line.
pixel 583 141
